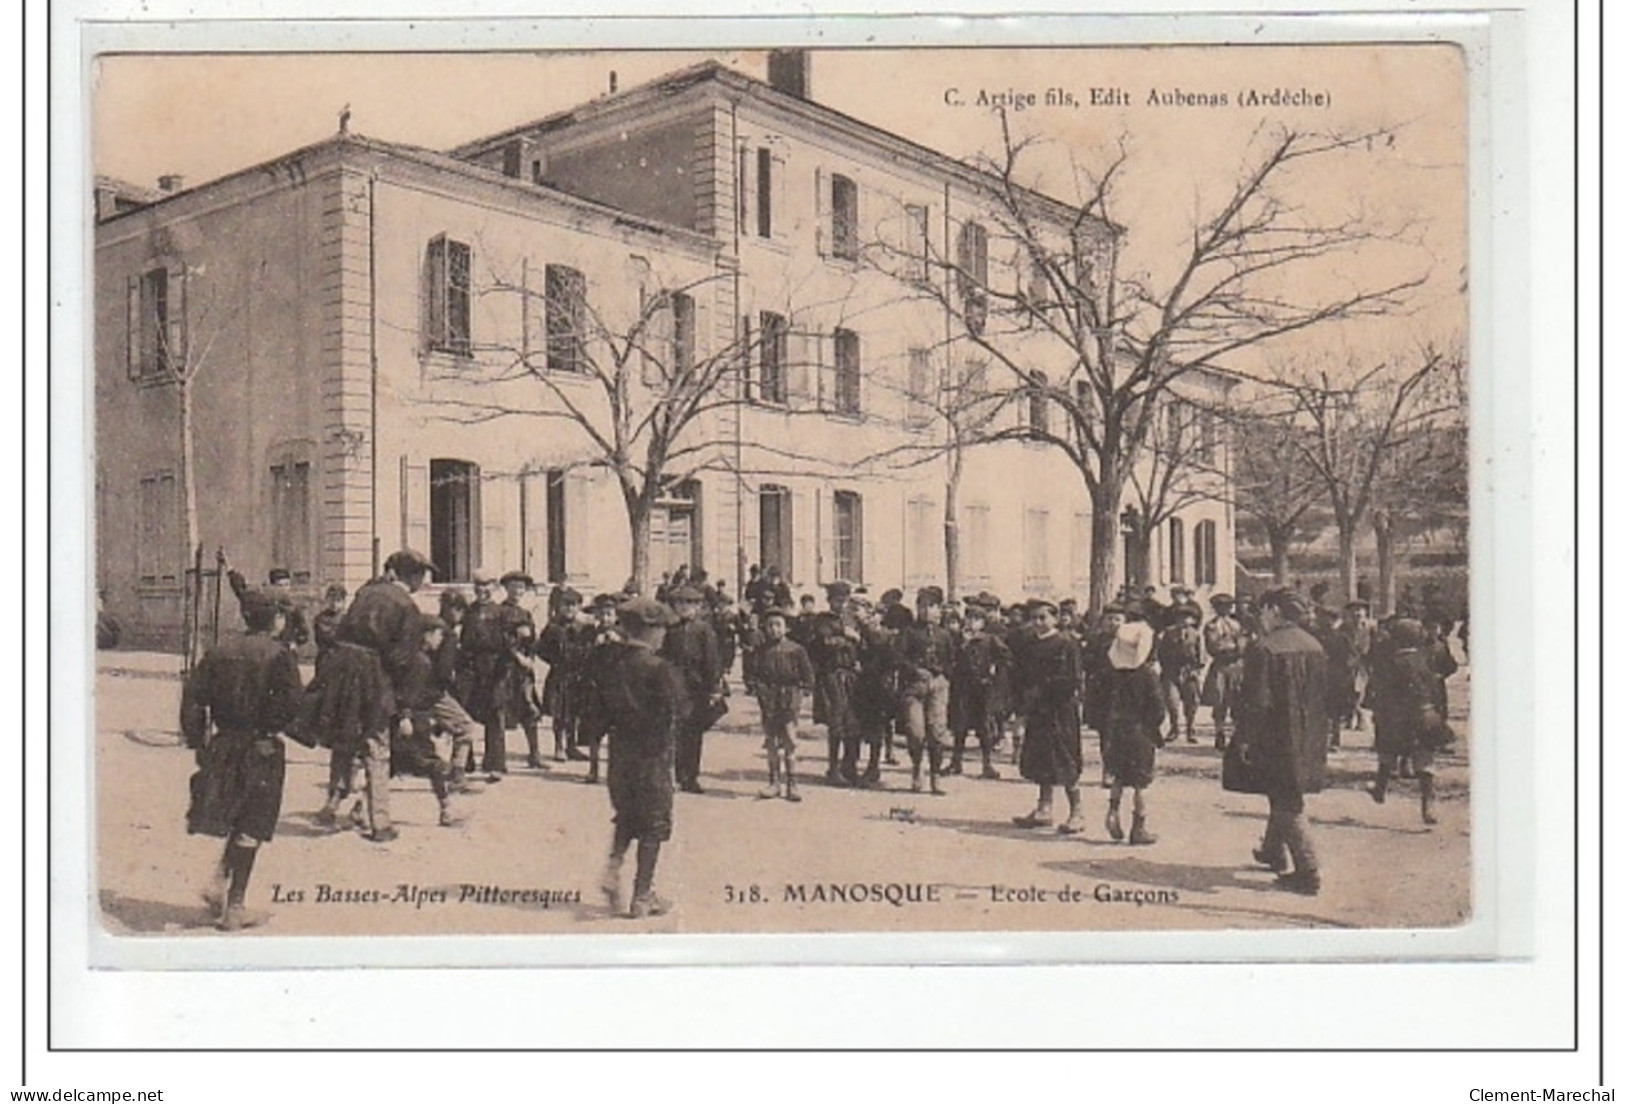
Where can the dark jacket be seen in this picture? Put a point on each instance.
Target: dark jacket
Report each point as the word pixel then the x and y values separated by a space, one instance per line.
pixel 1281 714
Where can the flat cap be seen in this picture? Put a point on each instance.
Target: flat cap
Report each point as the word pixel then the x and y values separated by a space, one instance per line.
pixel 929 596
pixel 607 600
pixel 840 588
pixel 517 577
pixel 566 596
pixel 259 607
pixel 1036 604
pixel 685 593
pixel 1222 600
pixel 409 562
pixel 645 612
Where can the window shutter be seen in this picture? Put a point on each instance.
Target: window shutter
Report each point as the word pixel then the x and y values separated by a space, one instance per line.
pixel 578 486
pixel 750 359
pixel 801 570
pixel 780 212
pixel 175 335
pixel 434 294
pixel 414 505
pixel 489 504
pixel 653 339
pixel 802 371
pixel 821 210
pixel 864 544
pixel 829 564
pixel 132 336
pixel 745 182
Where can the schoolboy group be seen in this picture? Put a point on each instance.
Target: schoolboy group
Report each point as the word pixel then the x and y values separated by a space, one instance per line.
pixel 399 691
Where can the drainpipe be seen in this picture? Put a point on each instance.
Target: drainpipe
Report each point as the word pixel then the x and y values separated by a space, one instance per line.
pixel 372 356
pixel 739 384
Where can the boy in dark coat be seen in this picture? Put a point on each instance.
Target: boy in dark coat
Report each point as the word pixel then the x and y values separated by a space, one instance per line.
pixel 354 696
pixel 412 749
pixel 981 666
pixel 562 646
pixel 874 687
pixel 594 673
pixel 325 625
pixel 642 703
pixel 1179 657
pixel 691 646
pixel 782 674
pixel 1135 707
pixel 926 651
pixel 1225 640
pixel 1405 711
pixel 832 644
pixel 240 695
pixel 1048 672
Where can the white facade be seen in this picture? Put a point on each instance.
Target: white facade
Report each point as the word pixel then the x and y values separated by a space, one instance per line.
pixel 366 305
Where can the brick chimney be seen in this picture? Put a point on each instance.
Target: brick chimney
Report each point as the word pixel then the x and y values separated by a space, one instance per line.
pixel 790 71
pixel 171 182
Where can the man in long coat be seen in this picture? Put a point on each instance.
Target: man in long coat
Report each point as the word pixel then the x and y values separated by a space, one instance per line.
pixel 1282 732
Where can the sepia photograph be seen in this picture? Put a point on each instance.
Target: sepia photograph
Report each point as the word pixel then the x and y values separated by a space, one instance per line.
pixel 783 491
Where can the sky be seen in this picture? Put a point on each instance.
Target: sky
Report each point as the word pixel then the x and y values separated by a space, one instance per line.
pixel 206 115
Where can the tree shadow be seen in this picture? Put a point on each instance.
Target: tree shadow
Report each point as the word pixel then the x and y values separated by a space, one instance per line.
pixel 146 917
pixel 994 829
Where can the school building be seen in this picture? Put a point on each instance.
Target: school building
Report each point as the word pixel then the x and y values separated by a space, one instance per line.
pixel 366 327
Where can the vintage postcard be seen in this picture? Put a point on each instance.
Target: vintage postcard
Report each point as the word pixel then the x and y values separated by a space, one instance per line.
pixel 782 492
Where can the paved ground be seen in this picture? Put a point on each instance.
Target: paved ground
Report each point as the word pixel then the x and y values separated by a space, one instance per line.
pixel 742 864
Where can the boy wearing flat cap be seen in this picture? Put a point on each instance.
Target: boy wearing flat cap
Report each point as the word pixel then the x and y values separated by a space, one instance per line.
pixel 642 703
pixel 832 642
pixel 927 654
pixel 241 694
pixel 782 673
pixel 562 646
pixel 691 646
pixel 603 634
pixel 354 697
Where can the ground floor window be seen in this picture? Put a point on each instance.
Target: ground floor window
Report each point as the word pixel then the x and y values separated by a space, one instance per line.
pixel 290 517
pixel 849 536
pixel 1176 550
pixel 774 505
pixel 158 551
pixel 1207 553
pixel 454 518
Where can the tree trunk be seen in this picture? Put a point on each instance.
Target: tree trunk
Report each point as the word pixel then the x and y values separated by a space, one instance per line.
pixel 638 508
pixel 950 527
pixel 1387 567
pixel 188 464
pixel 1103 537
pixel 1348 568
pixel 1137 571
pixel 1280 555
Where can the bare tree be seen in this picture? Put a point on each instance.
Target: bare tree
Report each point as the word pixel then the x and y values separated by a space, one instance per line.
pixel 1272 490
pixel 1181 464
pixel 1368 423
pixel 1075 332
pixel 639 385
pixel 1421 486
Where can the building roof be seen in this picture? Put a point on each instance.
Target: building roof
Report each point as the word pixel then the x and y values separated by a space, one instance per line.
pixel 663 88
pixel 434 159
